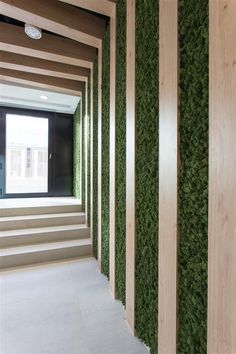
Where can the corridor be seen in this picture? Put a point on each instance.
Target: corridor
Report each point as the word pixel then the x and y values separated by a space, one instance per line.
pixel 117 177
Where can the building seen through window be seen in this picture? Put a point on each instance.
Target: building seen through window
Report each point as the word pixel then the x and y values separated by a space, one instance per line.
pixel 26 154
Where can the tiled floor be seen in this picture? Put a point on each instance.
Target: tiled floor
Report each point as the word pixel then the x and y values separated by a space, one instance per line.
pixel 62 308
pixel 31 202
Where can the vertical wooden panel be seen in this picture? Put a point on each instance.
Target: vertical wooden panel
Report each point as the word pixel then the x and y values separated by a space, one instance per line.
pixel 168 173
pixel 112 149
pixel 100 156
pixel 81 152
pixel 222 179
pixel 91 153
pixel 86 149
pixel 130 166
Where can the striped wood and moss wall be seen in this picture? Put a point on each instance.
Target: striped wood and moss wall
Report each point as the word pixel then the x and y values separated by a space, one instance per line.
pixel 147 122
pixel 192 179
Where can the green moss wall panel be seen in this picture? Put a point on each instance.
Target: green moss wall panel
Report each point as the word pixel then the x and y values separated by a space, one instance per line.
pixel 105 150
pixel 76 153
pixel 121 150
pixel 147 122
pixel 193 177
pixel 83 147
pixel 88 152
pixel 95 158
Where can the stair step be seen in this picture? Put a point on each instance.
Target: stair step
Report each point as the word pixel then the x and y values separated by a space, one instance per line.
pixel 42 220
pixel 11 238
pixel 39 210
pixel 46 252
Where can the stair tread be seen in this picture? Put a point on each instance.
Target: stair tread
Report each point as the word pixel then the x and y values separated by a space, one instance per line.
pixel 29 231
pixel 48 207
pixel 39 202
pixel 40 216
pixel 44 247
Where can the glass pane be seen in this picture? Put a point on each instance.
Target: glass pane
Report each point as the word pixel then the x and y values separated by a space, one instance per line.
pixel 26 154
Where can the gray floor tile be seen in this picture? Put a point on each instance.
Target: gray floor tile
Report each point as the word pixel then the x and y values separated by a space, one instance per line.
pixel 64 308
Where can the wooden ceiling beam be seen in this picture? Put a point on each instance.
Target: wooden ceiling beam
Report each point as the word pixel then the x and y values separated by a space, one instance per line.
pixel 15 84
pixel 70 87
pixel 104 7
pixel 57 17
pixel 43 67
pixel 49 47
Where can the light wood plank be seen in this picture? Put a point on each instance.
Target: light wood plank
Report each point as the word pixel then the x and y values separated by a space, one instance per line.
pixel 42 67
pixel 49 47
pixel 112 206
pixel 86 150
pixel 91 154
pixel 81 148
pixel 168 176
pixel 103 7
pixel 222 179
pixel 100 158
pixel 130 166
pixel 35 86
pixel 57 17
pixel 46 82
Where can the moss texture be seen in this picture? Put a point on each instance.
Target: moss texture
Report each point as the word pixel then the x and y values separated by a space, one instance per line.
pixel 95 158
pixel 88 151
pixel 121 150
pixel 105 150
pixel 83 149
pixel 147 122
pixel 76 154
pixel 193 178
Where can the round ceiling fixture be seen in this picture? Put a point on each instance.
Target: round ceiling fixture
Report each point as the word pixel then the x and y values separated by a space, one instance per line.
pixel 33 31
pixel 43 97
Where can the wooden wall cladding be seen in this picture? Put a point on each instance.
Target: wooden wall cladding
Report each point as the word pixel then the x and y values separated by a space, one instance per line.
pixel 168 176
pixel 112 261
pixel 91 153
pixel 99 242
pixel 130 165
pixel 95 158
pixel 222 179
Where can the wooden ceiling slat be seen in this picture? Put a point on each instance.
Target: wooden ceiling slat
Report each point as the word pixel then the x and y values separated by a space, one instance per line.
pixel 57 17
pixel 71 87
pixel 49 47
pixel 43 67
pixel 104 7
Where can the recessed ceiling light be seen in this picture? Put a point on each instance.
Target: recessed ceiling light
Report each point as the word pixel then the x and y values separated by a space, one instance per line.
pixel 33 31
pixel 43 97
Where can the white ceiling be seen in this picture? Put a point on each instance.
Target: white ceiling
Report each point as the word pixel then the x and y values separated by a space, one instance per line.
pixel 24 97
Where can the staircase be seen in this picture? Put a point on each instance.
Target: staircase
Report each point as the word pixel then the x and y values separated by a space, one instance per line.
pixel 38 234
